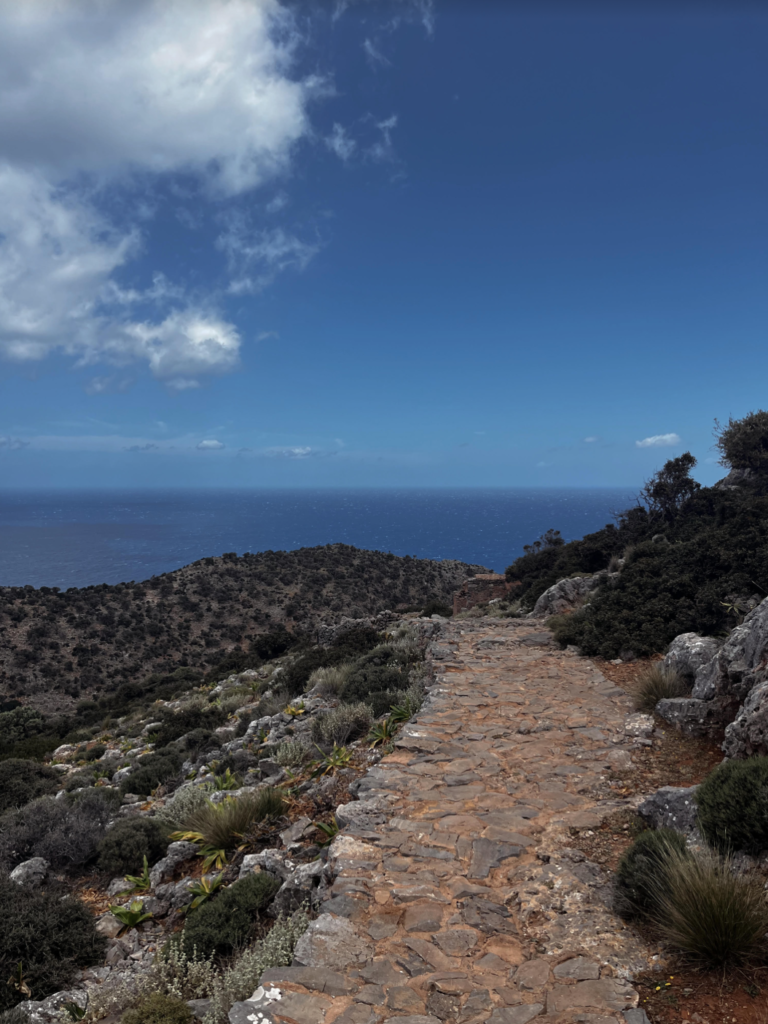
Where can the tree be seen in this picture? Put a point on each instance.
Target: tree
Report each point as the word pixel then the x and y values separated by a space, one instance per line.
pixel 550 539
pixel 668 489
pixel 743 444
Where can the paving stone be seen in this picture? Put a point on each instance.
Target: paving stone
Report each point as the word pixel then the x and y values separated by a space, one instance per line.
pixel 423 917
pixel 516 1014
pixel 532 975
pixel 382 972
pixel 487 855
pixel 373 995
pixel 416 1018
pixel 331 942
pixel 580 968
pixel 401 997
pixel 607 994
pixel 329 982
pixel 302 1009
pixel 456 942
pixel 381 926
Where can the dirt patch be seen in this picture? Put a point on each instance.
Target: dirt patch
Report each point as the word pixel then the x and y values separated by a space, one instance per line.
pixel 682 994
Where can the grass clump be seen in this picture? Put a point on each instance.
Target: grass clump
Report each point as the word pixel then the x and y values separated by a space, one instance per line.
pixel 640 876
pixel 221 826
pixel 157 1008
pixel 22 781
pixel 712 916
pixel 657 683
pixel 292 753
pixel 52 938
pixel 343 724
pixel 733 806
pixel 330 680
pixel 65 832
pixel 227 922
pixel 128 842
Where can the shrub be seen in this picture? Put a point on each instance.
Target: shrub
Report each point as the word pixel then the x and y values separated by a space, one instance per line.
pixel 733 805
pixel 80 780
pixel 199 739
pixel 157 1008
pixel 292 753
pixel 227 922
pixel 376 676
pixel 656 683
pixel 22 781
pixel 179 723
pixel 95 752
pixel 641 872
pixel 711 915
pixel 346 722
pixel 128 842
pixel 239 980
pixel 222 825
pixel 743 444
pixel 330 681
pixel 152 770
pixel 66 832
pixel 184 803
pixel 51 937
pixel 19 724
pixel 437 607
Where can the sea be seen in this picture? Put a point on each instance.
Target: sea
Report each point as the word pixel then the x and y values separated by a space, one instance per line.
pixel 80 538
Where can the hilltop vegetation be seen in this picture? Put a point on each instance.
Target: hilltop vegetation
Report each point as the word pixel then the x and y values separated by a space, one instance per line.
pixel 215 612
pixel 688 558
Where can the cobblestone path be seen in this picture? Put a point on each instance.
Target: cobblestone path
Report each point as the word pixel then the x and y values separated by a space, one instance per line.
pixel 457 896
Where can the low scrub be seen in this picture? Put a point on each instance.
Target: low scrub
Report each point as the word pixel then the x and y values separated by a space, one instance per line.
pixel 221 826
pixel 656 683
pixel 733 806
pixel 329 681
pixel 66 832
pixel 50 937
pixel 227 923
pixel 157 1008
pixel 712 916
pixel 22 781
pixel 292 753
pixel 128 842
pixel 343 724
pixel 152 771
pixel 640 876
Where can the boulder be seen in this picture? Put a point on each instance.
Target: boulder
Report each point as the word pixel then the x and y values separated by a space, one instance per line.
pixel 568 594
pixel 300 888
pixel 697 717
pixel 334 943
pixel 31 872
pixel 689 652
pixel 363 814
pixel 740 663
pixel 747 734
pixel 670 807
pixel 175 855
pixel 52 1010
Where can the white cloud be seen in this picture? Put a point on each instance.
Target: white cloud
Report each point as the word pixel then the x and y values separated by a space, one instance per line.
pixel 13 443
pixel 590 440
pixel 383 149
pixel 255 258
pixel 104 92
pixel 210 446
pixel 108 385
pixel 340 143
pixel 375 57
pixel 659 441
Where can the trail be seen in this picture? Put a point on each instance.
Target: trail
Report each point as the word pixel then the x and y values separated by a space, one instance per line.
pixel 458 897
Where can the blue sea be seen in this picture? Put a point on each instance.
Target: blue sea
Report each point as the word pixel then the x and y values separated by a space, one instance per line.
pixel 74 539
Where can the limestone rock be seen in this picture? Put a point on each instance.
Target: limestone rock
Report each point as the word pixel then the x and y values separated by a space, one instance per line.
pixel 689 652
pixel 334 943
pixel 32 872
pixel 670 807
pixel 695 717
pixel 747 735
pixel 175 855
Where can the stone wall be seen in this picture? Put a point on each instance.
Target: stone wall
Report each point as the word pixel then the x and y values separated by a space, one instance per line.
pixel 480 590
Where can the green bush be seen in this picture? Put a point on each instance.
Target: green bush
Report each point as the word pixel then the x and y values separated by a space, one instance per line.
pixel 199 739
pixel 437 607
pixel 95 752
pixel 743 444
pixel 128 842
pixel 66 832
pixel 51 937
pixel 342 725
pixel 640 876
pixel 158 1008
pixel 656 683
pixel 377 678
pixel 19 724
pixel 227 922
pixel 22 781
pixel 152 770
pixel 80 780
pixel 733 806
pixel 711 914
pixel 178 723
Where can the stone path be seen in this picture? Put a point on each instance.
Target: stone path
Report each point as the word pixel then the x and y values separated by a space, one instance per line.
pixel 457 896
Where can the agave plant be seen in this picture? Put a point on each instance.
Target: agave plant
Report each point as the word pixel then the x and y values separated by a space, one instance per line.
pixel 203 890
pixel 226 781
pixel 140 883
pixel 130 916
pixel 329 829
pixel 382 732
pixel 339 757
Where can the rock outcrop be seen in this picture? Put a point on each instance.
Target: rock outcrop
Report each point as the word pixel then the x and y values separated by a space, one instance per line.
pixel 728 688
pixel 568 594
pixel 480 589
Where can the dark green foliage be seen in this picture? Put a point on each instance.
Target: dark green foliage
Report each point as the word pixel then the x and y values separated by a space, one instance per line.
pixel 377 678
pixel 550 539
pixel 51 937
pixel 435 607
pixel 128 842
pixel 199 739
pixel 639 877
pixel 80 780
pixel 155 768
pixel 22 781
pixel 178 723
pixel 669 489
pixel 228 921
pixel 743 444
pixel 349 646
pixel 158 1008
pixel 95 752
pixel 733 806
pixel 66 832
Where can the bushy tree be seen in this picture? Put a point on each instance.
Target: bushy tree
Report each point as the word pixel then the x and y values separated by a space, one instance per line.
pixel 22 781
pixel 668 489
pixel 743 444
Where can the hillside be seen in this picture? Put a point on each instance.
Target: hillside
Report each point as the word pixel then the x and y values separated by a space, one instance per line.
pixel 59 646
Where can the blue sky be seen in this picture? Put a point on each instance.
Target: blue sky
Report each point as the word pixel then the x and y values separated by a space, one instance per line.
pixel 255 243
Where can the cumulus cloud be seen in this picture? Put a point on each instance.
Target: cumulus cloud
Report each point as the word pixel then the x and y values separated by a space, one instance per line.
pixel 102 93
pixel 659 441
pixel 210 446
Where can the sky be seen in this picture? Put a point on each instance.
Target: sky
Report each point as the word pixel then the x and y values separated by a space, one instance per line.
pixel 256 243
